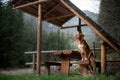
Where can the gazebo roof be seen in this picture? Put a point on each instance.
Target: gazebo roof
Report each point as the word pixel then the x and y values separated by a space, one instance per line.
pixel 59 12
pixel 53 10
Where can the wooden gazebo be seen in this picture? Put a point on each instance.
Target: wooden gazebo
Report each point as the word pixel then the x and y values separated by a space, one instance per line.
pixel 58 12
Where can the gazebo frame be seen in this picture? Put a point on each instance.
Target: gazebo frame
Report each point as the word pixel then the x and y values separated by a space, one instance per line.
pixel 59 12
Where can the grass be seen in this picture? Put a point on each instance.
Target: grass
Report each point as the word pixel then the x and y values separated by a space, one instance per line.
pixel 54 77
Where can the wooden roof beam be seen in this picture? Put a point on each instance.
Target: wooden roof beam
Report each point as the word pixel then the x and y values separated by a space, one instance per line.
pixel 17 2
pixel 67 15
pixel 67 21
pixel 51 10
pixel 29 4
pixel 29 12
pixel 66 27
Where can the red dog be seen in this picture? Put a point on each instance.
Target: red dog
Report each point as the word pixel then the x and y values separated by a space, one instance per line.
pixel 85 52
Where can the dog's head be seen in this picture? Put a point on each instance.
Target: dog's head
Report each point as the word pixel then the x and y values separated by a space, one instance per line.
pixel 79 36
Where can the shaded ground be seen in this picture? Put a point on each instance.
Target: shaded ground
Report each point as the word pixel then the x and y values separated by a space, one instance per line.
pixel 26 70
pixel 16 71
pixel 112 69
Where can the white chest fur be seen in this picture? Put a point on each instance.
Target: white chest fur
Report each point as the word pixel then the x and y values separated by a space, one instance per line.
pixel 80 46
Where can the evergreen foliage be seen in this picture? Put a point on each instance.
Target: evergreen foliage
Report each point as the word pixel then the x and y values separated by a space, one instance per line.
pixel 109 17
pixel 12 38
pixel 57 41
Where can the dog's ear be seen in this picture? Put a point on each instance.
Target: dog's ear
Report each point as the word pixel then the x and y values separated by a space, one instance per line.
pixel 79 35
pixel 82 35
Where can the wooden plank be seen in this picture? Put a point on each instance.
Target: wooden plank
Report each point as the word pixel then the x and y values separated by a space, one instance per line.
pixel 57 17
pixel 31 63
pixel 29 12
pixel 103 58
pixel 17 2
pixel 39 39
pixel 51 10
pixel 54 63
pixel 55 22
pixel 66 21
pixel 29 4
pixel 50 51
pixel 89 22
pixel 67 27
pixel 34 52
pixel 65 52
pixel 63 10
pixel 31 52
pixel 68 53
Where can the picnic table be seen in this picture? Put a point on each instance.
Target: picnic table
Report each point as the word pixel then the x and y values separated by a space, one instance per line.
pixel 65 56
pixel 64 63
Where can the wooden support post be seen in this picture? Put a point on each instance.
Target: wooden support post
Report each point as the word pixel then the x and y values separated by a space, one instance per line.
pixel 34 62
pixel 65 66
pixel 47 67
pixel 39 38
pixel 94 48
pixel 79 27
pixel 103 58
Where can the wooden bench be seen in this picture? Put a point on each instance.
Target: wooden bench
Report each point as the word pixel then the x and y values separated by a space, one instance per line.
pixel 47 64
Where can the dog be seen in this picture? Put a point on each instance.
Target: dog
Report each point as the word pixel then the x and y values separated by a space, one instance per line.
pixel 86 54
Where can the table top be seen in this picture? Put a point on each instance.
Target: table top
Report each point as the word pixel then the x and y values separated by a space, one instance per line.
pixel 68 53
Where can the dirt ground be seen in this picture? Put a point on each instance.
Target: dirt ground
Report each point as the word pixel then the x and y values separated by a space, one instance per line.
pixel 54 69
pixel 16 71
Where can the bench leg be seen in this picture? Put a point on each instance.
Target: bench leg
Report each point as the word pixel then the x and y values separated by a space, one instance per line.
pixel 65 66
pixel 47 67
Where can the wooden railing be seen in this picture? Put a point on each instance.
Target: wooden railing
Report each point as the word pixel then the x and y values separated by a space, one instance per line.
pixel 48 60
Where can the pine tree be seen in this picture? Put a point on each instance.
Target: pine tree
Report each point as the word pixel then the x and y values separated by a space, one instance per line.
pixel 11 36
pixel 109 17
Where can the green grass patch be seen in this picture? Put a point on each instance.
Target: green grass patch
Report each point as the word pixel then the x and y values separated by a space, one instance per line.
pixel 55 77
